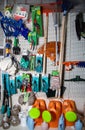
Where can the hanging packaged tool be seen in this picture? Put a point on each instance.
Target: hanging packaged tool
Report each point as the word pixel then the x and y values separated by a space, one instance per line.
pixel 33 39
pixel 16 48
pixel 54 81
pixel 13 89
pixel 8 47
pixel 26 83
pixel 24 62
pixel 5 94
pixel 39 63
pixel 45 83
pixel 18 81
pixel 6 104
pixel 27 76
pixel 37 21
pixel 9 94
pixel 32 62
pixel 25 87
pixel 35 83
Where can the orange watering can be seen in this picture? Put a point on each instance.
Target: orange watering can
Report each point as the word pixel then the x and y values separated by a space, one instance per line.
pixel 69 111
pixel 55 108
pixel 41 105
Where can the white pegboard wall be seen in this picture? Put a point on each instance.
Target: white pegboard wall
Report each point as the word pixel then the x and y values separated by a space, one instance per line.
pixel 74 52
pixel 51 28
pixel 74 47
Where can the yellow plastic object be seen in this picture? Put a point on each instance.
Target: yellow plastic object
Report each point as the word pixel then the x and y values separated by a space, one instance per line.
pixel 46 116
pixel 71 116
pixel 34 113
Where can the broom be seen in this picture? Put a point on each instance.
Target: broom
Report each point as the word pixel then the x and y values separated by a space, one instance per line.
pixel 62 48
pixel 45 42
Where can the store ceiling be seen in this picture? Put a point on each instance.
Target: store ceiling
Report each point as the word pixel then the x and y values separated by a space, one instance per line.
pixel 78 5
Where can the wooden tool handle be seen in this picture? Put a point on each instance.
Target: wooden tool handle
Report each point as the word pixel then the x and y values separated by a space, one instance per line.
pixel 62 48
pixel 45 42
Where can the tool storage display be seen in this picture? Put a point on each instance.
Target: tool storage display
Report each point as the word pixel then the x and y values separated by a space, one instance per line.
pixel 38 68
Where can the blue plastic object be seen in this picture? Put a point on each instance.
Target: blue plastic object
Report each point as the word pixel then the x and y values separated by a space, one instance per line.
pixel 78 125
pixel 24 31
pixel 12 27
pixel 81 64
pixel 66 6
pixel 61 125
pixel 30 123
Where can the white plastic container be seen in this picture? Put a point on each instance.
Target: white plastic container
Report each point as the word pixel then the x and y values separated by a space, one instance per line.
pixel 44 126
pixel 22 117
